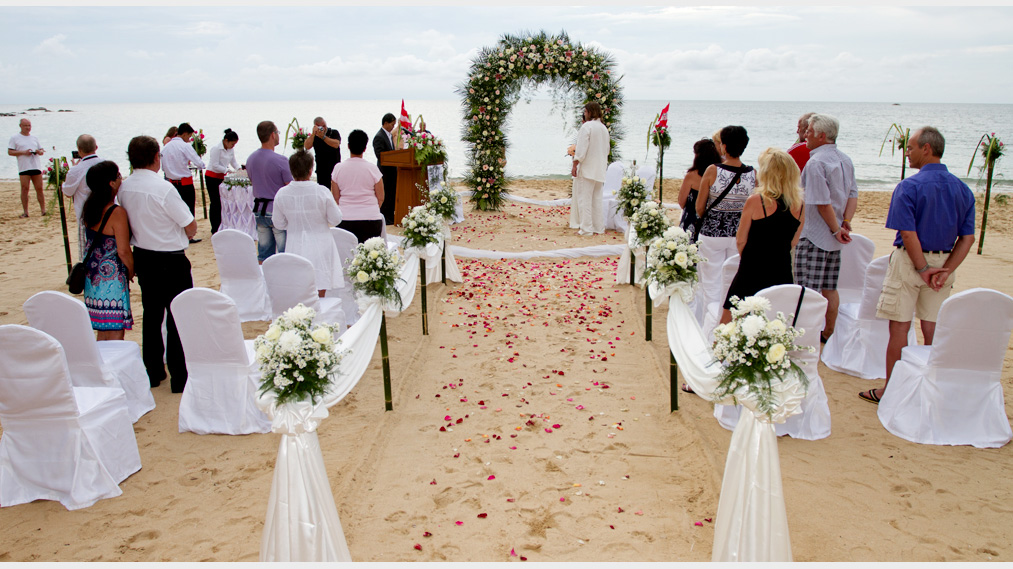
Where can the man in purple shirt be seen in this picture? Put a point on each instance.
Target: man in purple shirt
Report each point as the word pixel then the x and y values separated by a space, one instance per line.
pixel 268 172
pixel 933 213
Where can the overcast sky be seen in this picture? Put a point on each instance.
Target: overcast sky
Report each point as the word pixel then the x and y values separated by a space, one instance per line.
pixel 875 52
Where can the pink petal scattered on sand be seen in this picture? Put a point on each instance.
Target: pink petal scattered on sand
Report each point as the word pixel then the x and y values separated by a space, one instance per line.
pixel 513 448
pixel 491 477
pixel 459 523
pixel 547 430
pixel 621 510
pixel 447 418
pixel 512 552
pixel 698 523
pixel 427 534
pixel 638 513
pixel 580 407
pixel 563 499
pixel 708 520
pixel 557 426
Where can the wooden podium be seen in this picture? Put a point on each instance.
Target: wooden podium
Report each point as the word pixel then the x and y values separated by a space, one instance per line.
pixel 409 173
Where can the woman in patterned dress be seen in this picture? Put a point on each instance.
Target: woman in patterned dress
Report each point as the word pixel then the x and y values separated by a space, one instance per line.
pixel 110 262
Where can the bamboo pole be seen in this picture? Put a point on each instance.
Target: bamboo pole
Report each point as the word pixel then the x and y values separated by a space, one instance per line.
pixel 388 405
pixel 648 324
pixel 203 195
pixel 903 154
pixel 443 263
pixel 425 315
pixel 984 211
pixel 633 265
pixel 661 170
pixel 673 369
pixel 63 213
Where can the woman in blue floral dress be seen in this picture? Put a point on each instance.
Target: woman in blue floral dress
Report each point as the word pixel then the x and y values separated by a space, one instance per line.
pixel 110 262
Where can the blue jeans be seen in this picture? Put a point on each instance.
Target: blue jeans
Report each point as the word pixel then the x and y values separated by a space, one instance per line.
pixel 268 237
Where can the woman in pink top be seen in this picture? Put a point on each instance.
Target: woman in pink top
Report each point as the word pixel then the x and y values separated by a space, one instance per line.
pixel 357 186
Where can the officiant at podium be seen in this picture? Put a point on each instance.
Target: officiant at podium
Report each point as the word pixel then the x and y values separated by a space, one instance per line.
pixel 383 141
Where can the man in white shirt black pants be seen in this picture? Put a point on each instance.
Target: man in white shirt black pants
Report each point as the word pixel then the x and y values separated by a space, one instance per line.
pixel 161 225
pixel 177 156
pixel 76 187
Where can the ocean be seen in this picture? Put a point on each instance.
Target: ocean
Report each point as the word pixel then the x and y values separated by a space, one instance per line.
pixel 538 131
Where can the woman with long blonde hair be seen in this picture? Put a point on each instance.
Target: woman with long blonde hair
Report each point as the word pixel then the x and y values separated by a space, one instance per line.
pixel 769 228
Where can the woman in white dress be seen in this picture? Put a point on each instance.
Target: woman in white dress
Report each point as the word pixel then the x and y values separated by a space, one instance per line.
pixel 307 211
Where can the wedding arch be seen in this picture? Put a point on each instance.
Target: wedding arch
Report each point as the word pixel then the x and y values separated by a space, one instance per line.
pixel 497 75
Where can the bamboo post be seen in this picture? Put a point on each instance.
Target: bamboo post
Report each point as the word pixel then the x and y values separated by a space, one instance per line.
pixel 673 369
pixel 425 316
pixel 203 194
pixel 388 406
pixel 661 170
pixel 984 211
pixel 633 265
pixel 648 324
pixel 903 154
pixel 443 263
pixel 63 213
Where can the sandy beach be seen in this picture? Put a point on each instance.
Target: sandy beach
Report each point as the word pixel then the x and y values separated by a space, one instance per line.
pixel 557 440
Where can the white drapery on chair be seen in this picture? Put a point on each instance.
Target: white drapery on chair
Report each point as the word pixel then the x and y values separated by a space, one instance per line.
pixel 613 181
pixel 752 523
pixel 631 249
pixel 346 243
pixel 648 173
pixel 813 422
pixel 302 521
pixel 237 204
pixel 950 393
pixel 240 273
pixel 291 279
pixel 223 376
pixel 70 444
pixel 855 258
pixel 434 253
pixel 858 345
pixel 109 363
pixel 714 310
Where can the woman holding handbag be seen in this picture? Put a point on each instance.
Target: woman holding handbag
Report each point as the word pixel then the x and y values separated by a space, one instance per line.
pixel 109 261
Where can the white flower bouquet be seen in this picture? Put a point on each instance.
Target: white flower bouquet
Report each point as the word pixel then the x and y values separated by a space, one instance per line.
pixel 421 227
pixel 672 259
pixel 375 270
pixel 649 222
pixel 442 201
pixel 631 194
pixel 754 351
pixel 429 149
pixel 297 358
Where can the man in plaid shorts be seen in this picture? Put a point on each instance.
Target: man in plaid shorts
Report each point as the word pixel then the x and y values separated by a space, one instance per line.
pixel 831 198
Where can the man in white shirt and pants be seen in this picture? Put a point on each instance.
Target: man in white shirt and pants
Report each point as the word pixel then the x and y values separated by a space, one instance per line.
pixel 160 226
pixel 177 156
pixel 590 160
pixel 76 187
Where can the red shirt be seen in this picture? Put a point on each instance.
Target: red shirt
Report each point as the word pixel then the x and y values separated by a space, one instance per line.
pixel 800 153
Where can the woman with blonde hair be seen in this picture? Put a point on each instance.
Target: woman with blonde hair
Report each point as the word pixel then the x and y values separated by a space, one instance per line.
pixel 769 228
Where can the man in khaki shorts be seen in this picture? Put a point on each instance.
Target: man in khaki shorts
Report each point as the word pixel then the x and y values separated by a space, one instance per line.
pixel 933 213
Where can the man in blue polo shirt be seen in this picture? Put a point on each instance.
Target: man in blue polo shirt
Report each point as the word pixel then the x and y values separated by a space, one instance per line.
pixel 933 213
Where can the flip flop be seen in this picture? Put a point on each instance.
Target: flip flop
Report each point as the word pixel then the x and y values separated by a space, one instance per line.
pixel 23 216
pixel 687 389
pixel 870 396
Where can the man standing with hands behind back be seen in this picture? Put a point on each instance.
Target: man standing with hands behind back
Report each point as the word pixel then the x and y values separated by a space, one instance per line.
pixel 383 141
pixel 326 145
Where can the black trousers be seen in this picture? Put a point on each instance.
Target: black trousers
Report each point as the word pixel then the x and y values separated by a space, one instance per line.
pixel 389 191
pixel 161 276
pixel 363 228
pixel 216 202
pixel 188 194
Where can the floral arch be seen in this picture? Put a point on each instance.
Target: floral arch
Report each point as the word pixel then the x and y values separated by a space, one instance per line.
pixel 495 81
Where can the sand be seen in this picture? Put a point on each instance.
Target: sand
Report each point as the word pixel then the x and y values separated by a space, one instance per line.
pixel 559 444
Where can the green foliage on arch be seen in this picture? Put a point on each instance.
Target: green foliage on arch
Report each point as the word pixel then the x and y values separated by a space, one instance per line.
pixel 495 81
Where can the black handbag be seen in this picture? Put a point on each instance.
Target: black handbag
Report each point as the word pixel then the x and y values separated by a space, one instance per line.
pixel 78 274
pixel 698 224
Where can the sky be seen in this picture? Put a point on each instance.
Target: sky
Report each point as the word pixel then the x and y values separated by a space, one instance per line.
pixel 872 52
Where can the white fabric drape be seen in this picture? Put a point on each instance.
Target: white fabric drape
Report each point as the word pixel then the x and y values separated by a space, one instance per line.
pixel 592 251
pixel 237 207
pixel 433 252
pixel 632 247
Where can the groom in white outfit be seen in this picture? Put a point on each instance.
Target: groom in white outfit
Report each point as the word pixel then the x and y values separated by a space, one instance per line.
pixel 590 160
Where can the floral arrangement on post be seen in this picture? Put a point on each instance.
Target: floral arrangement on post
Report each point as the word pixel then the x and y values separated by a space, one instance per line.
pixel 992 150
pixel 442 201
pixel 421 227
pixel 299 138
pixel 900 141
pixel 198 143
pixel 375 270
pixel 660 137
pixel 57 167
pixel 429 149
pixel 631 194
pixel 649 222
pixel 496 78
pixel 754 351
pixel 672 262
pixel 297 358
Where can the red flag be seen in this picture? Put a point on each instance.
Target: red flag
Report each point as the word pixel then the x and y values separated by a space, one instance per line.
pixel 663 119
pixel 406 121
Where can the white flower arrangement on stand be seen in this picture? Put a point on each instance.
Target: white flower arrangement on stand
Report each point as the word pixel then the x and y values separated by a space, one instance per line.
pixel 375 270
pixel 672 265
pixel 648 223
pixel 296 357
pixel 421 227
pixel 442 202
pixel 631 194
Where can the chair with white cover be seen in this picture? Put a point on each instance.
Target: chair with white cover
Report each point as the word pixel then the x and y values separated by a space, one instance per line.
pixel 813 422
pixel 109 363
pixel 240 273
pixel 712 314
pixel 346 243
pixel 648 173
pixel 221 391
pixel 60 442
pixel 613 181
pixel 291 280
pixel 858 345
pixel 950 393
pixel 855 258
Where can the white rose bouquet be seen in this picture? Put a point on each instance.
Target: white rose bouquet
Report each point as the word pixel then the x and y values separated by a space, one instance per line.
pixel 672 259
pixel 421 227
pixel 649 222
pixel 754 351
pixel 297 358
pixel 442 201
pixel 631 194
pixel 375 270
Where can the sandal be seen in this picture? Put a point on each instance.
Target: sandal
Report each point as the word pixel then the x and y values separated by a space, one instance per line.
pixel 687 389
pixel 870 396
pixel 23 216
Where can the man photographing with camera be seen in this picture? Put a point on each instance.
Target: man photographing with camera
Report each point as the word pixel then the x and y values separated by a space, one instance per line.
pixel 326 145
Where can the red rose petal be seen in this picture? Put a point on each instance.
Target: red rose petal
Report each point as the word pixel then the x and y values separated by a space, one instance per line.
pixel 460 523
pixel 483 515
pixel 418 546
pixel 698 523
pixel 491 477
pixel 433 483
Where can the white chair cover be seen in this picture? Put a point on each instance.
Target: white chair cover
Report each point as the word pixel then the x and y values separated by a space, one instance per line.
pixel 109 363
pixel 813 423
pixel 613 181
pixel 64 443
pixel 712 314
pixel 858 344
pixel 855 258
pixel 648 173
pixel 291 280
pixel 221 390
pixel 237 204
pixel 240 273
pixel 950 393
pixel 346 243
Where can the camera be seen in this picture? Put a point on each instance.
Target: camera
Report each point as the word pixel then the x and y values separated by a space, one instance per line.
pixel 75 155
